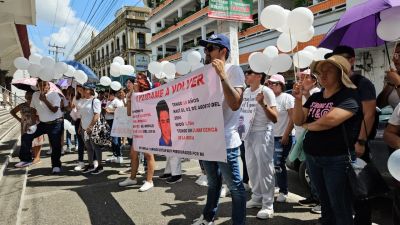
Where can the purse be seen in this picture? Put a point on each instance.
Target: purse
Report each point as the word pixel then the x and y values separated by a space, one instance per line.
pixel 366 182
pixel 101 131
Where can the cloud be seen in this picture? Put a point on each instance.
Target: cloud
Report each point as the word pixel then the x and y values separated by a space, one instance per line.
pixel 46 10
pixel 34 48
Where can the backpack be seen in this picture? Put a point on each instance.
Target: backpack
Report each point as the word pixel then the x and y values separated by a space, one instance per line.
pixel 101 132
pixel 374 128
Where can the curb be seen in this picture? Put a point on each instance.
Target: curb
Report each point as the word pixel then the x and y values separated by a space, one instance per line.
pixel 21 202
pixel 5 165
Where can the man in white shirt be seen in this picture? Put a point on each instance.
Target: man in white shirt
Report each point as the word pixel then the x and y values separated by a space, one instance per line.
pixel 47 105
pixel 232 81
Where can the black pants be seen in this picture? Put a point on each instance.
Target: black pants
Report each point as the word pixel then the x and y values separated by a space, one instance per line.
pixel 243 157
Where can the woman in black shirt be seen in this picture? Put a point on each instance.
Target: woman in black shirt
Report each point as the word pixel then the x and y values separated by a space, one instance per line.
pixel 329 117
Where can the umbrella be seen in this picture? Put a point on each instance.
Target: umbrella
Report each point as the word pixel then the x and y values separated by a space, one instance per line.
pixel 66 82
pixel 357 27
pixel 29 84
pixel 79 66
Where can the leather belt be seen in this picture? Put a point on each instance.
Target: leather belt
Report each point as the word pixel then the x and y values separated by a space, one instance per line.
pixel 54 121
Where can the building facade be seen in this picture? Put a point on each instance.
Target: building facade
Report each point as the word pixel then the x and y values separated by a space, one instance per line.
pixel 126 37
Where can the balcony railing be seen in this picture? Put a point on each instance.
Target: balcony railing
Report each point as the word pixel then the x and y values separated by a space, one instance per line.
pixel 123 47
pixel 106 57
pixel 140 46
pixel 117 51
pixel 112 53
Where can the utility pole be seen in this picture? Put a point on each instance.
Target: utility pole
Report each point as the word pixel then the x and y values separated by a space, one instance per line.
pixel 56 51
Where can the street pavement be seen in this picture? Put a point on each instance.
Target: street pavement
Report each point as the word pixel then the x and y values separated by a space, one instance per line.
pixel 76 198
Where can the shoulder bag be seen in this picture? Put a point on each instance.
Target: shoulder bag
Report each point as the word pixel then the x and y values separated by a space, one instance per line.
pixel 101 131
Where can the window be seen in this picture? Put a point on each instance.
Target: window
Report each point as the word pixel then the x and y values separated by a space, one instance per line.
pixel 98 55
pixel 141 40
pixel 117 44
pixel 102 53
pixel 112 46
pixel 107 50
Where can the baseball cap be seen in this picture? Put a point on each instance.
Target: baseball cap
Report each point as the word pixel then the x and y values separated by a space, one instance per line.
pixel 340 50
pixel 217 39
pixel 88 85
pixel 338 61
pixel 277 78
pixel 307 71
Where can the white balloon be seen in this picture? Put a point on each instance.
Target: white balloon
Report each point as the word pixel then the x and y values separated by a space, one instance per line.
pixel 183 67
pixel 284 43
pixel 170 76
pixel 271 71
pixel 60 67
pixel 57 75
pixel 71 130
pixel 35 58
pixel 105 81
pixel 311 49
pixel 260 62
pixel 80 76
pixel 34 70
pixel 127 70
pixel 284 28
pixel 303 59
pixel 115 73
pixel 95 94
pixel 67 124
pixel 300 19
pixel 281 63
pixel 273 16
pixel 389 29
pixel 71 71
pixel 160 75
pixel 197 66
pixel 389 12
pixel 194 58
pixel 320 54
pixel 21 63
pixel 46 74
pixel 115 85
pixel 251 55
pixel 271 51
pixel 47 62
pixel 163 63
pixel 305 35
pixel 119 60
pixel 169 69
pixel 155 67
pixel 115 67
pixel 394 164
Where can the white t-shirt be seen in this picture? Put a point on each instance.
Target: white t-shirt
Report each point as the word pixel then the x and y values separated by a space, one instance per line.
pixel 65 102
pixel 111 105
pixel 395 117
pixel 87 111
pixel 78 104
pixel 393 98
pixel 283 102
pixel 312 91
pixel 231 122
pixel 299 129
pixel 260 121
pixel 45 114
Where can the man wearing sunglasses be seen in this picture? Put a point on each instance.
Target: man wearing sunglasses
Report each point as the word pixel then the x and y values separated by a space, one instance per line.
pixel 217 50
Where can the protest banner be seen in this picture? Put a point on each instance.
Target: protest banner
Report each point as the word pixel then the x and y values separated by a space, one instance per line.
pixel 247 111
pixel 122 125
pixel 182 118
pixel 232 10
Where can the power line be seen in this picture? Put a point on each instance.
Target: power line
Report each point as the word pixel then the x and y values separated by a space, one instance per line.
pixel 78 23
pixel 29 29
pixel 54 22
pixel 70 9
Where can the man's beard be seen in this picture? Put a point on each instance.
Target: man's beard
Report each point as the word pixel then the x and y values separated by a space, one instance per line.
pixel 208 60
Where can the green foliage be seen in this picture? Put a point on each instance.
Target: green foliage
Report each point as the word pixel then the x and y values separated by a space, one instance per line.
pixel 150 3
pixel 300 3
pixel 159 57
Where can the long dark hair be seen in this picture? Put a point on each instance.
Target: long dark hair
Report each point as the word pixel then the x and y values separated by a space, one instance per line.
pixel 141 80
pixel 78 95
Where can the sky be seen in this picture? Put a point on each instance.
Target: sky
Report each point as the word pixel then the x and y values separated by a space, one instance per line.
pixel 69 24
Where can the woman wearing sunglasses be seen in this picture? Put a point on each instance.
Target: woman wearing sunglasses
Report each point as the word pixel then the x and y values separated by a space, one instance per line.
pixel 282 132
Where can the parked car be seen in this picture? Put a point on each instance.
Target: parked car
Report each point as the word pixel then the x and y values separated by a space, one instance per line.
pixel 379 152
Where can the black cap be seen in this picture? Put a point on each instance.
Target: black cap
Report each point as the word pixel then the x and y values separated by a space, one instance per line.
pixel 340 50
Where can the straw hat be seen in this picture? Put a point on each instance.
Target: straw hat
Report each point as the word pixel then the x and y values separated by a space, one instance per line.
pixel 338 61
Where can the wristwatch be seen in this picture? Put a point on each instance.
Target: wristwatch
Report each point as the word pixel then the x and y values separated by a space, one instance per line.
pixel 265 106
pixel 397 87
pixel 362 142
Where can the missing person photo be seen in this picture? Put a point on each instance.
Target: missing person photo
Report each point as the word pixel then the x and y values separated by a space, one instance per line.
pixel 164 123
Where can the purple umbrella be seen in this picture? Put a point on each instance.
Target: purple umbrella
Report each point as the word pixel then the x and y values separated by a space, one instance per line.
pixel 65 82
pixel 357 27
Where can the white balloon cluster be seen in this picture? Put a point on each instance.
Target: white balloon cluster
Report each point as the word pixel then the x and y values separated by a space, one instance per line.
pixel 164 69
pixel 389 27
pixel 269 61
pixel 296 25
pixel 118 67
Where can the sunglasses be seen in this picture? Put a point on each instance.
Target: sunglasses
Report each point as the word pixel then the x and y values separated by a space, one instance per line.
pixel 211 48
pixel 249 72
pixel 273 83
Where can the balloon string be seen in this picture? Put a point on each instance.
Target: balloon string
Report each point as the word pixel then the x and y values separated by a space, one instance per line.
pixel 394 50
pixel 298 58
pixel 291 46
pixel 264 81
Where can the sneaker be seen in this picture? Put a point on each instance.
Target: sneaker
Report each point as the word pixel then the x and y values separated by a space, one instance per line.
pixel 98 170
pixel 202 221
pixel 23 164
pixel 127 182
pixel 125 172
pixel 310 201
pixel 282 198
pixel 112 159
pixel 141 170
pixel 225 192
pixel 174 179
pixel 49 152
pixel 316 209
pixel 164 176
pixel 80 166
pixel 202 181
pixel 276 190
pixel 146 186
pixel 95 164
pixel 119 159
pixel 62 152
pixel 56 170
pixel 88 169
pixel 246 187
pixel 252 204
pixel 265 213
pixel 199 174
pixel 68 150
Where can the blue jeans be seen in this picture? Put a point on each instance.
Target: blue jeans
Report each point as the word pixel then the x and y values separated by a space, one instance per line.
pixel 115 142
pixel 313 190
pixel 329 176
pixel 231 173
pixel 54 131
pixel 280 154
pixel 243 157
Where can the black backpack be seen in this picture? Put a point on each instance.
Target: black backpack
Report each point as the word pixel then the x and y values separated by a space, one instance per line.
pixel 378 112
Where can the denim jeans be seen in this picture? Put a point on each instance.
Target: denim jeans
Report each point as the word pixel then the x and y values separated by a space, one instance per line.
pixel 329 176
pixel 115 142
pixel 54 131
pixel 280 154
pixel 243 157
pixel 231 173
